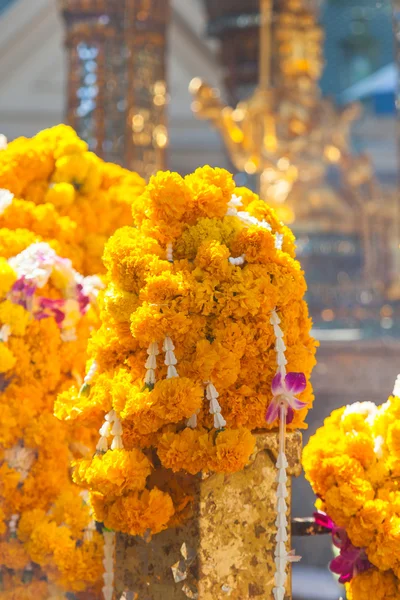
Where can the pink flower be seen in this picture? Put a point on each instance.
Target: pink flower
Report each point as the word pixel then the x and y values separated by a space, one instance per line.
pixel 351 560
pixel 82 298
pixel 285 390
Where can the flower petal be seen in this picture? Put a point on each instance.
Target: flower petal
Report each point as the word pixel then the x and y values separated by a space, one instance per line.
pixel 277 385
pixel 296 404
pixel 272 412
pixel 289 415
pixel 295 383
pixel 323 520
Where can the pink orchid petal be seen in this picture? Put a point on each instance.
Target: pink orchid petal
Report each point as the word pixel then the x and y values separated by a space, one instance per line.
pixel 295 383
pixel 323 520
pixel 272 412
pixel 297 404
pixel 340 538
pixel 289 415
pixel 277 385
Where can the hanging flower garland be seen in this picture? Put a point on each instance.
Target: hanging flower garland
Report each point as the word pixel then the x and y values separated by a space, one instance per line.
pixel 186 355
pixel 53 189
pixel 352 463
pixel 45 319
pixel 54 196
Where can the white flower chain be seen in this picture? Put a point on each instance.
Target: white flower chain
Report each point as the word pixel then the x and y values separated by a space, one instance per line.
pixel 108 563
pixel 282 556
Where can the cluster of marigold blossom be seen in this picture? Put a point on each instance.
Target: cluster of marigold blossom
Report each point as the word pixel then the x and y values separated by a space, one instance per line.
pixel 57 202
pixel 353 465
pixel 53 189
pixel 182 366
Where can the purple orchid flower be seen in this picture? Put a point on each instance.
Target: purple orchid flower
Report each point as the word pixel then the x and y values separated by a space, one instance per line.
pixel 285 388
pixel 351 560
pixel 22 291
pixel 82 298
pixel 50 308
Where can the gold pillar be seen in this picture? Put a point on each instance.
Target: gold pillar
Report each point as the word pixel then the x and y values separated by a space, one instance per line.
pixel 226 549
pixel 116 88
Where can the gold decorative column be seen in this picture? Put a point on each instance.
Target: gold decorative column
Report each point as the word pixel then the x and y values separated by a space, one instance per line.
pixel 116 96
pixel 225 549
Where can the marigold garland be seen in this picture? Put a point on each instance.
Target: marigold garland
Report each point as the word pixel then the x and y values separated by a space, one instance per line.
pixel 352 463
pixel 185 356
pixel 46 308
pixel 56 200
pixel 53 189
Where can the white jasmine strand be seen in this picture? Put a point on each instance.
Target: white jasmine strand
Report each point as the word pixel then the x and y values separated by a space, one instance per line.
pixel 170 253
pixel 91 373
pixel 215 408
pixel 170 359
pixel 282 556
pixel 108 562
pixel 6 198
pixel 240 260
pixel 151 364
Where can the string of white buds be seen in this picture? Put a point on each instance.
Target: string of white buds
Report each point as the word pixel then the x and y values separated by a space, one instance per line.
pixel 240 260
pixel 278 241
pixel 88 532
pixel 234 203
pixel 170 359
pixel 282 556
pixel 151 364
pixel 170 254
pixel 5 332
pixel 112 426
pixel 91 373
pixel 91 527
pixel 280 346
pixel 108 562
pixel 12 524
pixel 116 431
pixel 215 408
pixel 85 388
pixel 6 198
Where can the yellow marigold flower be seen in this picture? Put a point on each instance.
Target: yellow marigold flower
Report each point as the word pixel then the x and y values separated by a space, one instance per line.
pixel 176 398
pixel 81 170
pixel 165 199
pixel 211 190
pixel 114 472
pixel 61 195
pixel 3 524
pixel 7 277
pixel 15 316
pixel 187 450
pixel 7 358
pixel 81 568
pixel 233 448
pixel 213 258
pixel 374 584
pixel 206 229
pixel 13 555
pixel 136 513
pixel 36 590
pixel 361 447
pixel 256 244
pixel 12 242
pixel 68 509
pixel 129 256
pixel 393 439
